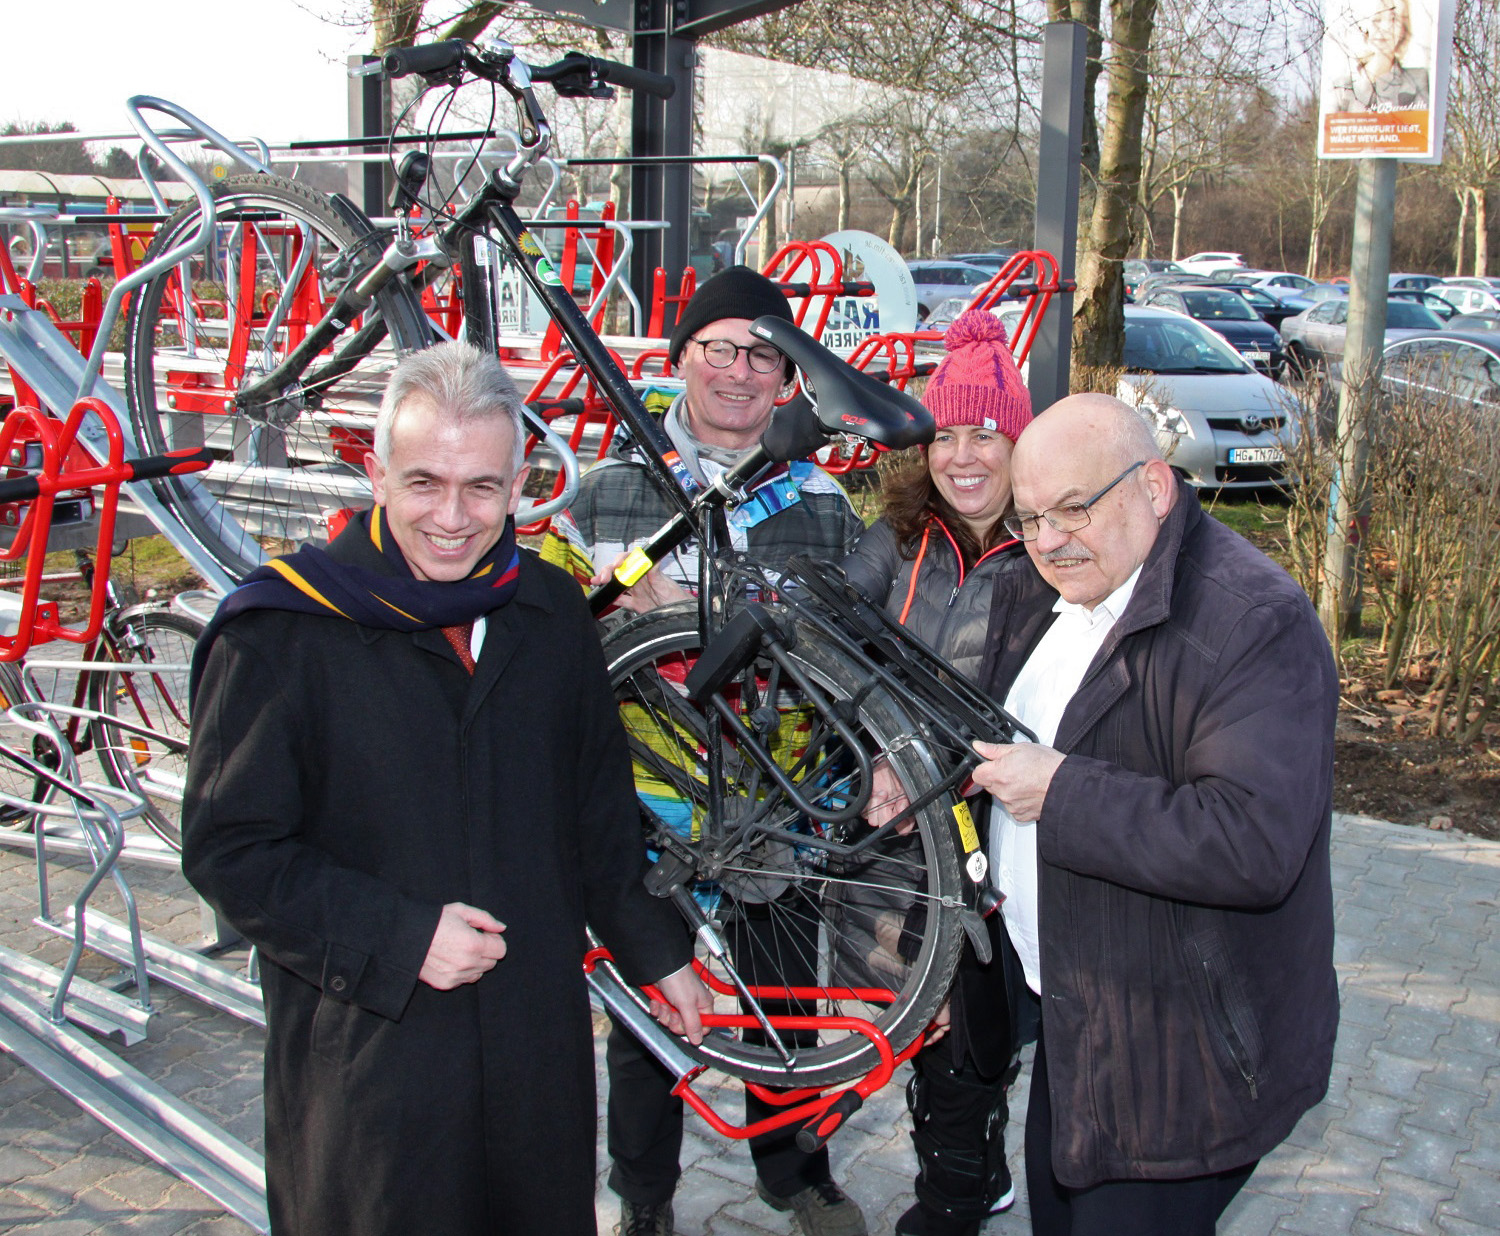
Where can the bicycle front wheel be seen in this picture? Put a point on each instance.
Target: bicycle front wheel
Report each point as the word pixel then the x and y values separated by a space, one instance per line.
pixel 201 331
pixel 875 934
pixel 153 765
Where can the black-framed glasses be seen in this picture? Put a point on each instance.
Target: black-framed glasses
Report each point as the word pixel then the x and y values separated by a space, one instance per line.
pixel 721 354
pixel 1069 517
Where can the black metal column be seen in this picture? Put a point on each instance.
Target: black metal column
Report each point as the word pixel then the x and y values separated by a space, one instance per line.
pixel 661 127
pixel 367 119
pixel 1059 159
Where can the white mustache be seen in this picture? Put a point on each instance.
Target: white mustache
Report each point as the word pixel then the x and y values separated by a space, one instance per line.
pixel 1067 551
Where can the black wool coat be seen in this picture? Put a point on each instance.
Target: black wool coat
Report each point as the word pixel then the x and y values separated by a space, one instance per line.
pixel 344 784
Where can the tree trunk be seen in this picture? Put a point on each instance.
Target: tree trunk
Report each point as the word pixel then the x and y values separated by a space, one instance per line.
pixel 1463 227
pixel 1179 200
pixel 845 192
pixel 1481 235
pixel 395 23
pixel 1099 316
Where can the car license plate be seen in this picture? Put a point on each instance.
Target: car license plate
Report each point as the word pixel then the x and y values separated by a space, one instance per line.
pixel 1258 356
pixel 1256 454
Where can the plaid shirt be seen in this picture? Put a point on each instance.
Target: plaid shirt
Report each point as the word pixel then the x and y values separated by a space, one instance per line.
pixel 799 511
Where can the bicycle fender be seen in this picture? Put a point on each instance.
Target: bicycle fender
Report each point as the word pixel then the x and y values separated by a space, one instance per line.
pixel 358 221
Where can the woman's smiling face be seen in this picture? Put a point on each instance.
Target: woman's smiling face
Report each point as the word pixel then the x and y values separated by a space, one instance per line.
pixel 971 468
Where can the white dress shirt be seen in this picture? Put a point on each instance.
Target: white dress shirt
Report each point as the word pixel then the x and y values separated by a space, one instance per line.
pixel 1038 697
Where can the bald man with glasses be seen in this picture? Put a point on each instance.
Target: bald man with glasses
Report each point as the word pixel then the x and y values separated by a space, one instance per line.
pixel 1164 847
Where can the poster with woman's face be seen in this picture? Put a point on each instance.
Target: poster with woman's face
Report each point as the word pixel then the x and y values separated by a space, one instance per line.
pixel 1385 66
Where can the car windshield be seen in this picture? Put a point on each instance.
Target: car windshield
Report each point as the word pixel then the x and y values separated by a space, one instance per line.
pixel 1218 306
pixel 1406 315
pixel 1178 347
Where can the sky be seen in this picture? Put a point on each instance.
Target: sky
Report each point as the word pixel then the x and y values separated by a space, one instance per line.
pixel 267 68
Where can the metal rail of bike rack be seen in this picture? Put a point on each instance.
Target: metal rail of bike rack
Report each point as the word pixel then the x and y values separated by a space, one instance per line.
pixel 40 1003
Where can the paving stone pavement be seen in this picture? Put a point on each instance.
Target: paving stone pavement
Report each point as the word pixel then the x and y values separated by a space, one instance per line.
pixel 1407 1141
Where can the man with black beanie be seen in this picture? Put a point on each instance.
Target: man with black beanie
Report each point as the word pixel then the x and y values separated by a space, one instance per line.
pixel 732 381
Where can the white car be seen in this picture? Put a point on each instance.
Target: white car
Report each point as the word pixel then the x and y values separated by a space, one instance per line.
pixel 1208 263
pixel 1470 295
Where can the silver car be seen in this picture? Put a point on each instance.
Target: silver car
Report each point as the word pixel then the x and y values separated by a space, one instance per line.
pixel 939 280
pixel 1221 424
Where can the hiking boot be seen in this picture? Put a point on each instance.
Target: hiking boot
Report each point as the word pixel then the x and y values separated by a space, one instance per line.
pixel 919 1221
pixel 652 1219
pixel 822 1209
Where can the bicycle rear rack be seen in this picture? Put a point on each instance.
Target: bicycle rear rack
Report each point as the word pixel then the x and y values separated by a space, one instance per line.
pixel 817 1114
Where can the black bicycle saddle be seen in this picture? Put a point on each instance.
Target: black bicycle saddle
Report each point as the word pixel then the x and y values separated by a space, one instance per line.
pixel 846 400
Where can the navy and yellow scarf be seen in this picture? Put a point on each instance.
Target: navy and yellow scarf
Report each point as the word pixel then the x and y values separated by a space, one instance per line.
pixel 313 581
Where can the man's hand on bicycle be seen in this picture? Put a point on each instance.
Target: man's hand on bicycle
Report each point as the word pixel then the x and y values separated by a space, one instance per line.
pixel 652 592
pixel 687 999
pixel 464 948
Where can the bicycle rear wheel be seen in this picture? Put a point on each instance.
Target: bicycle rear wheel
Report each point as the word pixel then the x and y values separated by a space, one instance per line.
pixel 157 700
pixel 201 331
pixel 792 913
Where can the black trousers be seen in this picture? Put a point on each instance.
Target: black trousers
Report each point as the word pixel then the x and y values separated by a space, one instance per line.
pixel 644 1118
pixel 1188 1207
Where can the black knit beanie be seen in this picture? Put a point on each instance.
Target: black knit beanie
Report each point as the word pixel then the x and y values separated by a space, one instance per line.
pixel 736 292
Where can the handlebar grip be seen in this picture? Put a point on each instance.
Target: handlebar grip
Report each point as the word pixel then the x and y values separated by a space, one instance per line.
pixel 173 463
pixel 632 78
pixel 814 1135
pixel 28 488
pixel 429 58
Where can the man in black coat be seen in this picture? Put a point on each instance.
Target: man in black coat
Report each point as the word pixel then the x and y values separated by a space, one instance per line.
pixel 409 788
pixel 1163 847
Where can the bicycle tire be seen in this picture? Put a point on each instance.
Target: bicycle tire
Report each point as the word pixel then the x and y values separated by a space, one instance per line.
pixel 855 913
pixel 159 701
pixel 278 473
pixel 14 780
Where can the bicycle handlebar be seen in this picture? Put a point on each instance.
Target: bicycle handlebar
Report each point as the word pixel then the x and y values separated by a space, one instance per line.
pixel 574 75
pixel 176 463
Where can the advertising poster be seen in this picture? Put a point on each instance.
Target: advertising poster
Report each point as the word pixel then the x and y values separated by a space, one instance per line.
pixel 1385 79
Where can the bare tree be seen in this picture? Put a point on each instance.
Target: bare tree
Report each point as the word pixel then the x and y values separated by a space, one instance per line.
pixel 1473 163
pixel 1099 309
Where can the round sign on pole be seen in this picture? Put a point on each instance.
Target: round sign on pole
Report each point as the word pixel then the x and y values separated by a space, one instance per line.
pixel 867 257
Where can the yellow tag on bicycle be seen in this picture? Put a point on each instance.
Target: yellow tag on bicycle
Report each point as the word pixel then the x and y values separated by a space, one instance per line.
pixel 633 567
pixel 966 832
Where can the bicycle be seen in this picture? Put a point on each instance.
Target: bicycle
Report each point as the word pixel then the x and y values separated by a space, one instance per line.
pixel 743 799
pixel 135 720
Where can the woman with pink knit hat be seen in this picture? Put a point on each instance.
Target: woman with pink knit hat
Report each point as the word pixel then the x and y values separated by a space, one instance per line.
pixel 931 561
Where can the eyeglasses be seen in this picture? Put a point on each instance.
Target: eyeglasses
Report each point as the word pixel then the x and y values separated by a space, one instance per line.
pixel 1069 517
pixel 721 354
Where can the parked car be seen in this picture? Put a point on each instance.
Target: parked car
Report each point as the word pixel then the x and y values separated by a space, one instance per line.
pixel 1470 294
pixel 1274 304
pixel 1276 279
pixel 1445 368
pixel 937 280
pixel 1166 279
pixel 1443 308
pixel 991 261
pixel 1228 314
pixel 1222 424
pixel 1137 269
pixel 1415 283
pixel 1316 336
pixel 1207 263
pixel 1475 321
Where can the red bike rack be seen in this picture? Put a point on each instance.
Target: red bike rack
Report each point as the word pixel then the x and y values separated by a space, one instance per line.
pixel 47 465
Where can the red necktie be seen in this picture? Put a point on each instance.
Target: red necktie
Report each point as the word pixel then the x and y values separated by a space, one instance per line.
pixel 459 637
